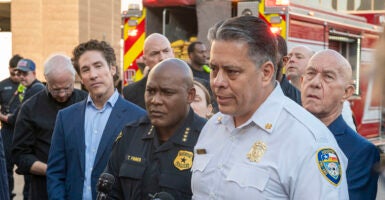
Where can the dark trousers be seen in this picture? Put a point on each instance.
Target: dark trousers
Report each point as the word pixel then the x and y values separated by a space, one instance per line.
pixel 4 193
pixel 27 187
pixel 7 135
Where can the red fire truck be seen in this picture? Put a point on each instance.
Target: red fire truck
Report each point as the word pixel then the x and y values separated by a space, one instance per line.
pixel 310 23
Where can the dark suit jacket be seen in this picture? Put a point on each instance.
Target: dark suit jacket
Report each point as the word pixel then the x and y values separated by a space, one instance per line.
pixel 362 156
pixel 290 90
pixel 134 92
pixel 65 173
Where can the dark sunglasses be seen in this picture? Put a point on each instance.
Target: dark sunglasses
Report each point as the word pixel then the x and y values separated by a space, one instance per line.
pixel 14 74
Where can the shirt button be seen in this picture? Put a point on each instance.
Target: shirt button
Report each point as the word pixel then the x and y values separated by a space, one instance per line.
pixel 220 166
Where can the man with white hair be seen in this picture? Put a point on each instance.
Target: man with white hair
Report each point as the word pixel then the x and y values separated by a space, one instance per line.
pixel 36 120
pixel 326 85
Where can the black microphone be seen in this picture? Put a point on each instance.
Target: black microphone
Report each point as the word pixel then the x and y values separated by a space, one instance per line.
pixel 104 185
pixel 162 196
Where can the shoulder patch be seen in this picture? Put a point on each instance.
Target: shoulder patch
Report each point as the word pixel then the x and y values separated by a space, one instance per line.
pixel 329 165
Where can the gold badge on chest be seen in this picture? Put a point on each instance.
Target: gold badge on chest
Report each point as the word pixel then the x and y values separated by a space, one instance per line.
pixel 183 160
pixel 256 152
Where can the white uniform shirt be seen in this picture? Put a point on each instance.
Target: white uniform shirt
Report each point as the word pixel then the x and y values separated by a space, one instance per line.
pixel 347 115
pixel 288 167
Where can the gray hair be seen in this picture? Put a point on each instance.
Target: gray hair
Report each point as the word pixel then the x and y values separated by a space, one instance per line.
pixel 58 62
pixel 251 30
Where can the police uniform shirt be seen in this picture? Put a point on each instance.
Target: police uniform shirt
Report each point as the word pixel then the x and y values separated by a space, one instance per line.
pixel 143 166
pixel 281 152
pixel 7 90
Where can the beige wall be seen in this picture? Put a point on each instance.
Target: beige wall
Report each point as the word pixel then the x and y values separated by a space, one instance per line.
pixel 43 27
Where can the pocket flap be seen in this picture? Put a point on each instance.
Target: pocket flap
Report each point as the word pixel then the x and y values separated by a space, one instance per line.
pixel 200 162
pixel 249 176
pixel 131 170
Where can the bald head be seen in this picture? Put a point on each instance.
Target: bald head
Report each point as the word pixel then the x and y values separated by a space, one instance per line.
pixel 333 58
pixel 307 51
pixel 156 48
pixel 326 85
pixel 299 58
pixel 169 93
pixel 176 68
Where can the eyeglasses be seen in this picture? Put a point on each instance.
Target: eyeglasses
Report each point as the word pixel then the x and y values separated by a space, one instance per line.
pixel 14 74
pixel 55 92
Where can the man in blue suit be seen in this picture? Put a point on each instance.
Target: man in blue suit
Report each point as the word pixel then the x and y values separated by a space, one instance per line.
pixel 326 84
pixel 84 132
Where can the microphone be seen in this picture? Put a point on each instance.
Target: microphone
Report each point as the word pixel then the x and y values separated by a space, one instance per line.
pixel 104 185
pixel 162 196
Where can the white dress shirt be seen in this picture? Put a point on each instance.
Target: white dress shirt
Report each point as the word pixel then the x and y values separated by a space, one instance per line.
pixel 290 138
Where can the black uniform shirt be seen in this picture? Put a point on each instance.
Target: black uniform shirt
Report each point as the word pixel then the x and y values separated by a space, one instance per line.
pixel 35 87
pixel 134 92
pixel 290 90
pixel 7 90
pixel 143 166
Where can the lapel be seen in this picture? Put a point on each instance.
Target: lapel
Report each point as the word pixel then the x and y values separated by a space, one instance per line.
pixel 80 140
pixel 111 130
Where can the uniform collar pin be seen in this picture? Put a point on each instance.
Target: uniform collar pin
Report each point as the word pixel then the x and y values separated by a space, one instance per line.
pixel 268 126
pixel 150 131
pixel 219 119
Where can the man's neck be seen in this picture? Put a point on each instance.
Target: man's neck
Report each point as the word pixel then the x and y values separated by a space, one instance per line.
pixel 330 118
pixel 296 82
pixel 100 100
pixel 197 67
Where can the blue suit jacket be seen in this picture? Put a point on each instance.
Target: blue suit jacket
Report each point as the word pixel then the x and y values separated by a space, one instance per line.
pixel 65 173
pixel 362 156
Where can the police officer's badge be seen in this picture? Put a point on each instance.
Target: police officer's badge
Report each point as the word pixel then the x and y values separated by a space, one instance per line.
pixel 329 165
pixel 183 160
pixel 256 152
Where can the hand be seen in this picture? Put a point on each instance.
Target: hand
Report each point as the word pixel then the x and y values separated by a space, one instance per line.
pixel 3 117
pixel 38 168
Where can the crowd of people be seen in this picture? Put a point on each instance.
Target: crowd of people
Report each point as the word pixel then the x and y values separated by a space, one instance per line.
pixel 241 129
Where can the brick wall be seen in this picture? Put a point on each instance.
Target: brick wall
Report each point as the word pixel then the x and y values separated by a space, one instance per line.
pixel 43 27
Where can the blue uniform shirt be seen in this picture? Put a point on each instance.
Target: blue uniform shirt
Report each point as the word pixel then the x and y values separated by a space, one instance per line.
pixel 362 156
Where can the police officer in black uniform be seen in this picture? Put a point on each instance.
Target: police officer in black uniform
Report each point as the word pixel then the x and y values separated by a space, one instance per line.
pixel 155 153
pixel 9 101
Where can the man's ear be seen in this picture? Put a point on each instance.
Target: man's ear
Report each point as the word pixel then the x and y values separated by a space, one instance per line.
pixel 191 95
pixel 113 70
pixel 267 69
pixel 349 90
